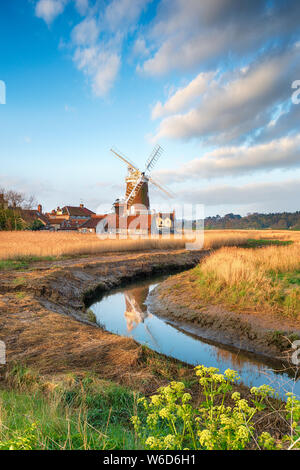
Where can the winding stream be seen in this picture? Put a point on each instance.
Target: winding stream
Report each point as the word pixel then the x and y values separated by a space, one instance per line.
pixel 127 312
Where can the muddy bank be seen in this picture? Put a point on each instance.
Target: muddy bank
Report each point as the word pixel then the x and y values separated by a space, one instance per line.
pixel 265 335
pixel 40 308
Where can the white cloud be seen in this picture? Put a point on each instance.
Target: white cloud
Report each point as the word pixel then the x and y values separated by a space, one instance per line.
pixel 98 39
pixel 108 67
pixel 190 33
pixel 121 14
pixel 282 153
pixel 140 48
pixel 102 66
pixel 48 10
pixel 274 195
pixel 82 6
pixel 86 32
pixel 236 106
pixel 184 97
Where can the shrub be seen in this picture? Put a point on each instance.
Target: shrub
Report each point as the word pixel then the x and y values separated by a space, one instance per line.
pixel 25 440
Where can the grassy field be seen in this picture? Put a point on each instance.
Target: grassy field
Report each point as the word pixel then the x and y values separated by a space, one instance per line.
pixel 249 271
pixel 33 246
pixel 265 279
pixel 87 413
pixel 70 413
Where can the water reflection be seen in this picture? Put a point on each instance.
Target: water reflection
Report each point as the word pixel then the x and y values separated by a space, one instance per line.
pixel 127 313
pixel 135 309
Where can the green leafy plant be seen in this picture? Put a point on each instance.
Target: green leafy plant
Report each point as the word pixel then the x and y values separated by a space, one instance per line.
pixel 21 441
pixel 173 423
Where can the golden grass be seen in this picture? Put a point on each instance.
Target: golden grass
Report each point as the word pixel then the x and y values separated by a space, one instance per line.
pixel 254 277
pixel 236 265
pixel 213 236
pixel 56 244
pixel 43 244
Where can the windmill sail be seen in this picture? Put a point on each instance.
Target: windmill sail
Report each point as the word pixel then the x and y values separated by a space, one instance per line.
pixel 154 156
pixel 124 159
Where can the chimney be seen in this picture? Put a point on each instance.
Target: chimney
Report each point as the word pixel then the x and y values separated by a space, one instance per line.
pixel 40 208
pixel 81 205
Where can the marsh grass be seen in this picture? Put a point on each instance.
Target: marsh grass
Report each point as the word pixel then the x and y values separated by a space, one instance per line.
pixel 84 412
pixel 26 247
pixel 72 413
pixel 19 249
pixel 265 279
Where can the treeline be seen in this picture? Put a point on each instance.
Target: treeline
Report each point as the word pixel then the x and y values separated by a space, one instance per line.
pixel 12 203
pixel 276 221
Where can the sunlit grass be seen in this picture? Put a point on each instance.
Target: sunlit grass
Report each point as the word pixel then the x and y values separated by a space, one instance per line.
pixel 73 413
pixel 264 279
pixel 21 246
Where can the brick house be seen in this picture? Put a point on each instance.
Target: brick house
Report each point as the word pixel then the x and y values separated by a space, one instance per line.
pixel 90 226
pixel 69 217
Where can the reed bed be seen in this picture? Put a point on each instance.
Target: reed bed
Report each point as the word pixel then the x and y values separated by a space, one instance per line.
pixel 267 278
pixel 233 265
pixel 15 245
pixel 218 239
pixel 52 244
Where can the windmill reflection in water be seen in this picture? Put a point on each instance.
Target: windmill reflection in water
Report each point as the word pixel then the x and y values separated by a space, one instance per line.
pixel 136 311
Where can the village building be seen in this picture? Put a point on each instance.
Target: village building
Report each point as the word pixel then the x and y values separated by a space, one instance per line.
pixel 90 226
pixel 69 217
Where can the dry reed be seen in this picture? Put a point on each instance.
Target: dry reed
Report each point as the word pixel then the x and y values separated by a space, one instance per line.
pixel 256 278
pixel 55 244
pixel 236 265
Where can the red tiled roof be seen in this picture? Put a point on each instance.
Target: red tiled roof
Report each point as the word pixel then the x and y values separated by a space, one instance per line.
pixel 77 211
pixel 55 221
pixel 93 221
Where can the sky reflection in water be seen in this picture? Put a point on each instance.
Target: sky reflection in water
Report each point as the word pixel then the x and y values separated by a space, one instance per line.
pixel 126 313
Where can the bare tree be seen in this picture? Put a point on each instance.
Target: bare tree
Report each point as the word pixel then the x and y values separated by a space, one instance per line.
pixel 16 199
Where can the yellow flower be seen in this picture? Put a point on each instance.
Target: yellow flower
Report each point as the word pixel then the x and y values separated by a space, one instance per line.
pixel 206 439
pixel 164 413
pixel 236 396
pixel 242 433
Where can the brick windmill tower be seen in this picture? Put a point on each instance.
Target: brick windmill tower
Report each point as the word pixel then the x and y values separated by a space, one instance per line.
pixel 136 200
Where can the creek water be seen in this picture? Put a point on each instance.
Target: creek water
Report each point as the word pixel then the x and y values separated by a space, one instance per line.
pixel 127 312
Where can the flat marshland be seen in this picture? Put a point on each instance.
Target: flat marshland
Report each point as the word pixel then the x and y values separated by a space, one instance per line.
pixel 14 245
pixel 266 279
pixel 69 385
pixel 254 278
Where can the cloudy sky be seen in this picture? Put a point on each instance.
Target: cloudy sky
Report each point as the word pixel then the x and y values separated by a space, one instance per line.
pixel 211 81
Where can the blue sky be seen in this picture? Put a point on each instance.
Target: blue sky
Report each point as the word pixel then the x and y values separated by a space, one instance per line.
pixel 211 81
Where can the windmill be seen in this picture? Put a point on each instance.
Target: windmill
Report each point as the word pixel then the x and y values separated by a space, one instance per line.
pixel 137 181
